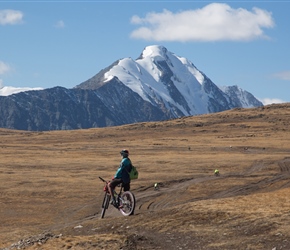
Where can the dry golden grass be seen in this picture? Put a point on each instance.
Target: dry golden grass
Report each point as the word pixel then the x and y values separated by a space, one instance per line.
pixel 51 196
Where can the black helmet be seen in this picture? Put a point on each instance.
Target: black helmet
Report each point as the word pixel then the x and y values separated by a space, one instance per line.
pixel 124 152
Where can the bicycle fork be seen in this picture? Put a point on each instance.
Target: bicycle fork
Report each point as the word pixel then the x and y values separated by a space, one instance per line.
pixel 106 201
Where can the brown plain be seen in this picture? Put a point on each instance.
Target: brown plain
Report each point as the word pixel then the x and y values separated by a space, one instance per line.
pixel 50 196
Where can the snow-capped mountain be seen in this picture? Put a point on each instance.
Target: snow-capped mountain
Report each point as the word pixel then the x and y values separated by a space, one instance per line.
pixel 173 83
pixel 158 85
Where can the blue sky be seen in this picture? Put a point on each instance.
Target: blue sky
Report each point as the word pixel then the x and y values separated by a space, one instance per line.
pixel 63 43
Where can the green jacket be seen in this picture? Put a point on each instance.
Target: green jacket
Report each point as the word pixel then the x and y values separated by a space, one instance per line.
pixel 124 170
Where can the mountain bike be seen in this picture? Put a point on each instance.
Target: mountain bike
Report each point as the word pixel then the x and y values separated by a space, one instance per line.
pixel 125 200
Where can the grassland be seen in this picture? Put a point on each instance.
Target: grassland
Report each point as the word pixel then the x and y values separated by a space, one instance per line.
pixel 50 196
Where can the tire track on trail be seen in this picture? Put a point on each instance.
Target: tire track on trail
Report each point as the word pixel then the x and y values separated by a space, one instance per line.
pixel 175 192
pixel 170 194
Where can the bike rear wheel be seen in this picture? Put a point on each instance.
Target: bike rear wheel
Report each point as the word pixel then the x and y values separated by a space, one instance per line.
pixel 127 203
pixel 105 205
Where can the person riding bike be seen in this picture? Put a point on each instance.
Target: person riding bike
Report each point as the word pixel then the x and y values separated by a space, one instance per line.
pixel 122 175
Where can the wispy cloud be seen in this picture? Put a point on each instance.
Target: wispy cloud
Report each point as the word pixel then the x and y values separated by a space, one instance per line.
pixel 214 22
pixel 4 67
pixel 283 75
pixel 11 17
pixel 267 101
pixel 60 24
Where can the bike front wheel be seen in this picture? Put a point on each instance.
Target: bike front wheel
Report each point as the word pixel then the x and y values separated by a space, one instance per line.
pixel 127 203
pixel 105 205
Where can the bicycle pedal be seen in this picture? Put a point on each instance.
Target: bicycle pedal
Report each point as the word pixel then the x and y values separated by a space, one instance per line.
pixel 115 204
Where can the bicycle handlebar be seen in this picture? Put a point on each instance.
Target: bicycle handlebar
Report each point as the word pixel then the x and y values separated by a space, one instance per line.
pixel 102 179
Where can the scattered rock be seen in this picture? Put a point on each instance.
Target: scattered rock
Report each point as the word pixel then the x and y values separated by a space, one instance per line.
pixel 37 240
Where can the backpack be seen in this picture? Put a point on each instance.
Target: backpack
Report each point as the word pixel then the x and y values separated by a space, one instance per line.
pixel 133 173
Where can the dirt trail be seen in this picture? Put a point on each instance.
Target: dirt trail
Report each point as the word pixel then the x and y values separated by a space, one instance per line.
pixel 176 192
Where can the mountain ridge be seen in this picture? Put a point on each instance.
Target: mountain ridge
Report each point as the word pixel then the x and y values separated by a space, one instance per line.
pixel 157 86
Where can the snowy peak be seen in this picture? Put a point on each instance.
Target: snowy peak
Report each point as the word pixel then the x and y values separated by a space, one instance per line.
pixel 154 51
pixel 243 98
pixel 161 78
pixel 157 53
pixel 173 83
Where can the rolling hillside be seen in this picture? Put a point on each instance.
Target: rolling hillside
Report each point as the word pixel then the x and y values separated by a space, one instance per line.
pixel 51 196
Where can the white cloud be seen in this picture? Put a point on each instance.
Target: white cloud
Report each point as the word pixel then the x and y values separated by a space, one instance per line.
pixel 10 17
pixel 214 22
pixel 4 67
pixel 60 24
pixel 283 75
pixel 267 101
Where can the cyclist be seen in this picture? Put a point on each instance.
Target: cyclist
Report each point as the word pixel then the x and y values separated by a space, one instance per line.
pixel 122 175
